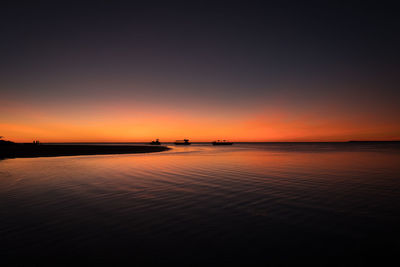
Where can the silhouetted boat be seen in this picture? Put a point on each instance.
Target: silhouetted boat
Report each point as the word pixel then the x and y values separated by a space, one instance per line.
pixel 155 142
pixel 182 142
pixel 222 143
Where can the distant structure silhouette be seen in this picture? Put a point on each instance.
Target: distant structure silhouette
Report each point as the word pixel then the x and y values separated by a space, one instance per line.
pixel 221 143
pixel 182 142
pixel 157 142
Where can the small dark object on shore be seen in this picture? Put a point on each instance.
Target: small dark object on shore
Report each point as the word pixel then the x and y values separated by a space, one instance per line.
pixel 157 142
pixel 222 143
pixel 183 142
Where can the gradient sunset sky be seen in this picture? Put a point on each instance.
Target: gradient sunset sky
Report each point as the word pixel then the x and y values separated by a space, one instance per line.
pixel 200 70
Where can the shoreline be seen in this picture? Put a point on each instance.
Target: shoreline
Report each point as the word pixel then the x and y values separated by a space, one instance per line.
pixel 34 151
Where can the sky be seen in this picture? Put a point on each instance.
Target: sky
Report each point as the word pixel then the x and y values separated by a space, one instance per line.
pixel 240 70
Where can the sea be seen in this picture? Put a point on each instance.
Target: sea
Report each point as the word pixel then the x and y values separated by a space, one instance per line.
pixel 249 204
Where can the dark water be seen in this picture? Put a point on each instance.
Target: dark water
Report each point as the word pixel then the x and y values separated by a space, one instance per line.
pixel 264 204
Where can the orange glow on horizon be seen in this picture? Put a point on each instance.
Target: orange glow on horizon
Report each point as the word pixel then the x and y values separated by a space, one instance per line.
pixel 129 125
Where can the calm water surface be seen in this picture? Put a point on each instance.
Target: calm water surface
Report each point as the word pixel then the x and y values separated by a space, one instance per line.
pixel 247 204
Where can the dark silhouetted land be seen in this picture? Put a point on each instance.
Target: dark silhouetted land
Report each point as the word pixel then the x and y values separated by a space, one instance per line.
pixel 15 150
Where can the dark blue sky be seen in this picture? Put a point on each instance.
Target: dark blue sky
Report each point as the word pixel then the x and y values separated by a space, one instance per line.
pixel 226 58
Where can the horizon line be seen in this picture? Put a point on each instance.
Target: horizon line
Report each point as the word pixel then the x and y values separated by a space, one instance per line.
pixel 142 142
